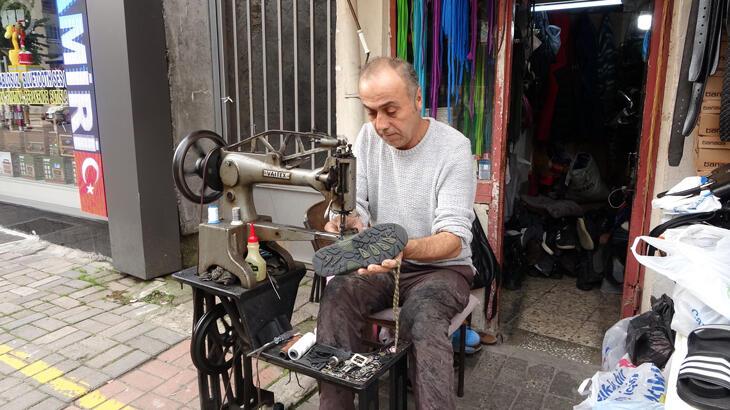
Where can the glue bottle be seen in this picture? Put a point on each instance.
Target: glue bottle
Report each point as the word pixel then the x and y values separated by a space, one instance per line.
pixel 254 258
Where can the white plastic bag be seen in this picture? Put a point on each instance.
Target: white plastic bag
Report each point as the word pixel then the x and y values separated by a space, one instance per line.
pixel 584 179
pixel 698 258
pixel 680 205
pixel 690 312
pixel 614 344
pixel 624 387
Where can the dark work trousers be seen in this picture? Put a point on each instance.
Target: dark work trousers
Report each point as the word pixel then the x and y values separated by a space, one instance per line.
pixel 430 297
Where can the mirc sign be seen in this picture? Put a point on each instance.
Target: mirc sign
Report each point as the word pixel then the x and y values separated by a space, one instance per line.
pixel 74 30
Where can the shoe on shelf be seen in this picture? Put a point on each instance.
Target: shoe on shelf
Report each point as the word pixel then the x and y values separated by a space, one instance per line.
pixel 371 246
pixel 565 238
pixel 546 244
pixel 584 237
pixel 545 267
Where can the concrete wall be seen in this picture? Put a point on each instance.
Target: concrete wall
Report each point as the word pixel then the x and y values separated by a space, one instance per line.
pixel 190 67
pixel 666 176
pixel 374 17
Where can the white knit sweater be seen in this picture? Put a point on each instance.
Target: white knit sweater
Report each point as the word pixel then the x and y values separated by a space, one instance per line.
pixel 426 189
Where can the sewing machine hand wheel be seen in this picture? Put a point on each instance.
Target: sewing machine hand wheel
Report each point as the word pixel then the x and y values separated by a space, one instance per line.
pixel 213 344
pixel 190 168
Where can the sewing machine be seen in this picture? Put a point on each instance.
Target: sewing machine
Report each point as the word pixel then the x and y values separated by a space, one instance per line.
pixel 205 169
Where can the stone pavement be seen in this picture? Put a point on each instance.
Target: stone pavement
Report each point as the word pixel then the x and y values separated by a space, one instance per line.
pixel 76 334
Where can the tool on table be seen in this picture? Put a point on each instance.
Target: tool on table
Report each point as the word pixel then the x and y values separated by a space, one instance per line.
pixel 718 182
pixel 275 341
pixel 206 169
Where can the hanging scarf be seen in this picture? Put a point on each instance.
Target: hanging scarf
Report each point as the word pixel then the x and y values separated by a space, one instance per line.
pixel 455 27
pixel 435 58
pixel 419 47
pixel 472 53
pixel 402 34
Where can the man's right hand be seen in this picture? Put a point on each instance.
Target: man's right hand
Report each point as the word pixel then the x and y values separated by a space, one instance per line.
pixel 351 221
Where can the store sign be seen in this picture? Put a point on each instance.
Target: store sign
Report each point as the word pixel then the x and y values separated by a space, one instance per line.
pixel 33 79
pixel 74 29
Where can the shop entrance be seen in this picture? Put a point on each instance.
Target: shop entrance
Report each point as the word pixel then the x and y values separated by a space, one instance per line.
pixel 577 88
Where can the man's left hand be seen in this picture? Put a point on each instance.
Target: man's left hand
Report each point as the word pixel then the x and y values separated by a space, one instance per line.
pixel 386 266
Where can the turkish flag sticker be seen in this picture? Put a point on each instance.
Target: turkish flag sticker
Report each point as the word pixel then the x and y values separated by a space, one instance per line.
pixel 90 180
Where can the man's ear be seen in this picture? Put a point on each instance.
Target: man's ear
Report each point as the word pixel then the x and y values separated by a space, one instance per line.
pixel 419 99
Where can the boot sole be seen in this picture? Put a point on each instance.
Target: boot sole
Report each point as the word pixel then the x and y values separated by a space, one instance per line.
pixel 372 246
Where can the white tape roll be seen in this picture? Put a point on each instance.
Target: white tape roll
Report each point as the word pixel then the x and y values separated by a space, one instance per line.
pixel 302 346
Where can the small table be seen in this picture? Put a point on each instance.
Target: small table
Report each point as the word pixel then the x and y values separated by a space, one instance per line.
pixel 367 392
pixel 248 318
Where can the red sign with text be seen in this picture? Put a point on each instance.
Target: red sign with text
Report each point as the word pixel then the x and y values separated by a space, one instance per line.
pixel 90 180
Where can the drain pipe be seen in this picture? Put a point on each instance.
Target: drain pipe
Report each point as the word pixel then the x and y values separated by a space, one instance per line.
pixel 350 114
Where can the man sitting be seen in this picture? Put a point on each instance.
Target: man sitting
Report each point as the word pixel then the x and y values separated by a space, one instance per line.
pixel 415 172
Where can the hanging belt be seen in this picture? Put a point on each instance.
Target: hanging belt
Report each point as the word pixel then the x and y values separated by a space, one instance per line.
pixel 684 91
pixel 725 101
pixel 708 17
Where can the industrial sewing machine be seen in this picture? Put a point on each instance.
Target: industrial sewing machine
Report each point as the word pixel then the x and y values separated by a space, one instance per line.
pixel 230 320
pixel 205 169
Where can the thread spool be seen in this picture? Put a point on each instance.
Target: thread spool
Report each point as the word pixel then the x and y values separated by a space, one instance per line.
pixel 236 216
pixel 213 217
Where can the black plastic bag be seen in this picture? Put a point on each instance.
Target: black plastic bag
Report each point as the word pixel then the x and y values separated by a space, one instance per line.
pixel 482 257
pixel 649 338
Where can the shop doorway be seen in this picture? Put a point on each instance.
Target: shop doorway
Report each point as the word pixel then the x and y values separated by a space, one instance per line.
pixel 577 86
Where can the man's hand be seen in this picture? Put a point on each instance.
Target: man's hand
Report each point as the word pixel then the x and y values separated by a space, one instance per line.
pixel 386 266
pixel 351 221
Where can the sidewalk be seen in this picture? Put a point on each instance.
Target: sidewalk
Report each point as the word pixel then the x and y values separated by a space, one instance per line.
pixel 74 331
pixel 76 334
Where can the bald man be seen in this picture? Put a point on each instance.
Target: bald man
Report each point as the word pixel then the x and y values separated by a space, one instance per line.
pixel 415 172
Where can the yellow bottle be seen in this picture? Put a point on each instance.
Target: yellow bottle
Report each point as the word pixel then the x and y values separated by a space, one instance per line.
pixel 254 258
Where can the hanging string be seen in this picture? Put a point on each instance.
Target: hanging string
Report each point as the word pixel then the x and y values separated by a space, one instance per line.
pixel 472 52
pixel 480 88
pixel 402 35
pixel 436 56
pixel 419 47
pixel 455 27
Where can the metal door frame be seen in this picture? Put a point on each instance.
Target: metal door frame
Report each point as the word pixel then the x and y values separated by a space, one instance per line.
pixel 649 143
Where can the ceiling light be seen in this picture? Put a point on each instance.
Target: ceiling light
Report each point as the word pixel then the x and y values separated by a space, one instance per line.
pixel 644 22
pixel 567 5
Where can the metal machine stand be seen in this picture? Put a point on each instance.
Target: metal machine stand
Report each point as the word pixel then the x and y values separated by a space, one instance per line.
pixel 229 322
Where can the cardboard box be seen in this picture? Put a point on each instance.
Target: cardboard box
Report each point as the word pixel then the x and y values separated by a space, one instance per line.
pixel 8 164
pixel 66 145
pixel 709 124
pixel 713 89
pixel 711 142
pixel 709 159
pixel 13 141
pixel 37 142
pixel 30 166
pixel 710 107
pixel 59 170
